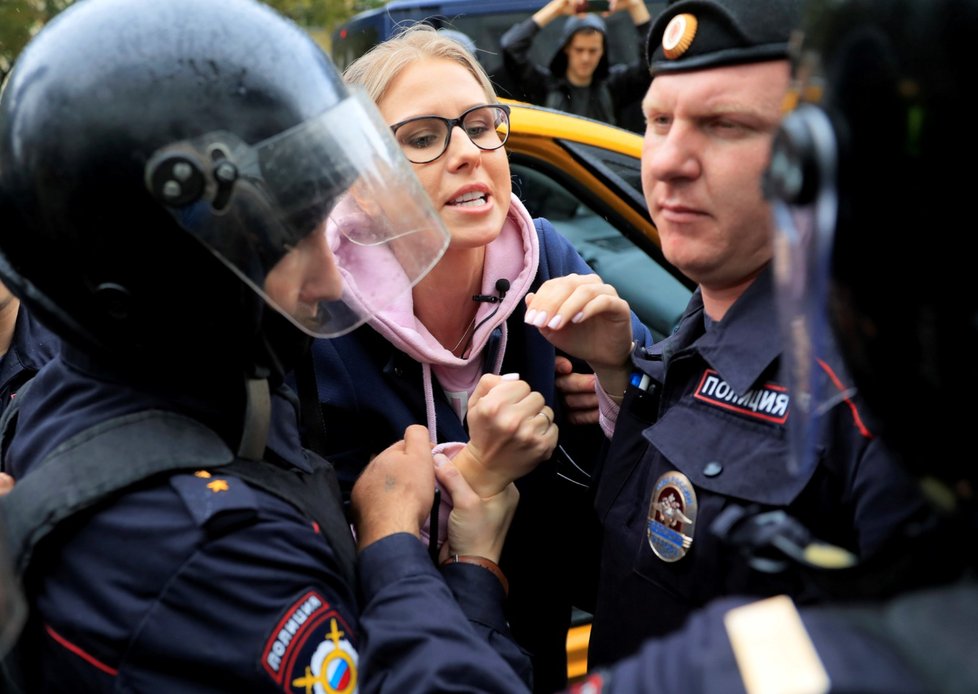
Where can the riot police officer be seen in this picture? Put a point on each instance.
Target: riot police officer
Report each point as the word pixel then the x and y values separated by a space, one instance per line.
pixel 174 183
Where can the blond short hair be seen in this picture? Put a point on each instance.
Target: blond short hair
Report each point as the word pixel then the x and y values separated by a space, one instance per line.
pixel 377 68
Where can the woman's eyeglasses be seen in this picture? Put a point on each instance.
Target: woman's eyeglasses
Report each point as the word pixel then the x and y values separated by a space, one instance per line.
pixel 425 138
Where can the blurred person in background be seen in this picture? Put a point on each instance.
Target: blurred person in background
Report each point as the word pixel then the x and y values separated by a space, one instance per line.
pixel 579 78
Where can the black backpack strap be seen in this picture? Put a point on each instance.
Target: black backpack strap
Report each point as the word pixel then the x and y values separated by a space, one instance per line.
pixel 113 455
pixel 317 495
pixel 310 409
pixel 88 467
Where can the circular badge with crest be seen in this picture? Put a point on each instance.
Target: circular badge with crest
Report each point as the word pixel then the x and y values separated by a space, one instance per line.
pixel 672 516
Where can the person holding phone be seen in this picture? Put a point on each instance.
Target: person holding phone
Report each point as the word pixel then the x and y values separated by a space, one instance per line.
pixel 579 78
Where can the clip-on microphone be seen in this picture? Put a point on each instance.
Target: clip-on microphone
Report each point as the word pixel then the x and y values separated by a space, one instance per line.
pixel 502 286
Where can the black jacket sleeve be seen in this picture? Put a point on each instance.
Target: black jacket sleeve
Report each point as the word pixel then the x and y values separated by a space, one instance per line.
pixel 444 649
pixel 481 597
pixel 530 78
pixel 628 83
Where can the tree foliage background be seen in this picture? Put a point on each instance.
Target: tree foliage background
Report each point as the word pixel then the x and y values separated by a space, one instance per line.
pixel 21 19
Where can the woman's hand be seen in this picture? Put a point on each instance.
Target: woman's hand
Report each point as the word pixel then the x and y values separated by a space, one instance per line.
pixel 511 430
pixel 584 317
pixel 476 526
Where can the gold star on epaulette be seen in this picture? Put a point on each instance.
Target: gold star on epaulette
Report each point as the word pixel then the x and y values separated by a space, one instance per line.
pixel 203 474
pixel 218 486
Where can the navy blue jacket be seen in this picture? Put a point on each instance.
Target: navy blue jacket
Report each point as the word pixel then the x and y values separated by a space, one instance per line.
pixel 32 347
pixel 911 644
pixel 200 582
pixel 370 392
pixel 914 643
pixel 714 436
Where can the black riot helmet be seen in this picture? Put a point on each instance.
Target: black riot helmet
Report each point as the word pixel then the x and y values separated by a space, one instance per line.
pixel 159 160
pixel 872 178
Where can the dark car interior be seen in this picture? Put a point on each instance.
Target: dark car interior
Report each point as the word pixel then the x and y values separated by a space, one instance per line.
pixel 655 294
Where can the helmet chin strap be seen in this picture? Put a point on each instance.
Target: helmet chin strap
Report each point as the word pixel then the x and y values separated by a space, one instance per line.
pixel 257 417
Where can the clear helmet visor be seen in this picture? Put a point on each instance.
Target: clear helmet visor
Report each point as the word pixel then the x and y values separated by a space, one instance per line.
pixel 325 221
pixel 805 204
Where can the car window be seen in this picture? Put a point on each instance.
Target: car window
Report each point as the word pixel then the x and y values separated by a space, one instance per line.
pixel 656 296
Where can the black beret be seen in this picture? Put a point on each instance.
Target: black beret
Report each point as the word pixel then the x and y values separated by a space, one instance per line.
pixel 699 34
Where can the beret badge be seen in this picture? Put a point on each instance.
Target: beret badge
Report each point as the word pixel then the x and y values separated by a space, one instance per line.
pixel 678 36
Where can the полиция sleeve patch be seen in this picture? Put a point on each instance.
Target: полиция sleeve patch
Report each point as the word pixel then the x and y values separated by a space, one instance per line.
pixel 311 645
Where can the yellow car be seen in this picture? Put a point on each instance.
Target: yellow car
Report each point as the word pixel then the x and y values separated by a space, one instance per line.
pixel 584 176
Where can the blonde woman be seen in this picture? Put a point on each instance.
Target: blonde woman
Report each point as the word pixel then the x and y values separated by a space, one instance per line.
pixel 433 358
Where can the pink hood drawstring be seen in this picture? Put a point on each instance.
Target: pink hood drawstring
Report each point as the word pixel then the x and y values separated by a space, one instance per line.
pixel 515 256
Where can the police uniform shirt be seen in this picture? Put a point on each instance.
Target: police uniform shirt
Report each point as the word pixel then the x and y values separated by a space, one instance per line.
pixel 720 440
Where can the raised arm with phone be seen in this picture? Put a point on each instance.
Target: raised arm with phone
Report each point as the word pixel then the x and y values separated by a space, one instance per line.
pixel 579 78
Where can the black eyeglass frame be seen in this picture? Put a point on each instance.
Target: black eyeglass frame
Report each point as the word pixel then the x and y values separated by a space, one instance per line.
pixel 452 123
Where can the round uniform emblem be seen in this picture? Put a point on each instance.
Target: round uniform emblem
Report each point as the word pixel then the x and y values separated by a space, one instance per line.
pixel 333 666
pixel 672 516
pixel 678 35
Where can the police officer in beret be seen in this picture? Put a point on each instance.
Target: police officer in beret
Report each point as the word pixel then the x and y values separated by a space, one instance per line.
pixel 695 498
pixel 881 89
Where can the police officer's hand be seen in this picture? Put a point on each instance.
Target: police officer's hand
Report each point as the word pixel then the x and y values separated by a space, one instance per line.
pixel 476 526
pixel 578 392
pixel 395 491
pixel 6 483
pixel 584 317
pixel 511 430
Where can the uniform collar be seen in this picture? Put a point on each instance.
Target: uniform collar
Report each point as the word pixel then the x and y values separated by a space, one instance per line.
pixel 743 345
pixel 747 341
